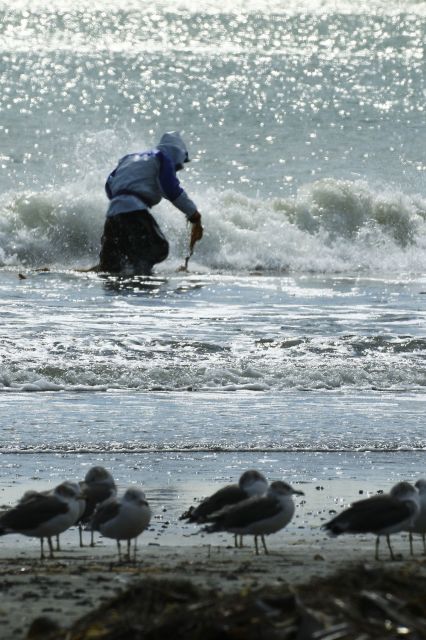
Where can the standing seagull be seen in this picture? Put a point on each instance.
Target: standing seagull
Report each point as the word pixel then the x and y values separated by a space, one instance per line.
pixel 123 518
pixel 419 525
pixel 31 494
pixel 44 515
pixel 381 515
pixel 251 483
pixel 98 486
pixel 257 516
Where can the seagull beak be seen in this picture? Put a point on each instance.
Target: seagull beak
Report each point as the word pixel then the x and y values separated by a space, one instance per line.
pixel 298 493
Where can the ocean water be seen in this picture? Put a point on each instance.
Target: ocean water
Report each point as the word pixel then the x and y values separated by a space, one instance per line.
pixel 296 342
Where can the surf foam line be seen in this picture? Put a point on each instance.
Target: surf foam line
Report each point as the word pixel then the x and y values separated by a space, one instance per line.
pixel 92 450
pixel 329 226
pixel 386 375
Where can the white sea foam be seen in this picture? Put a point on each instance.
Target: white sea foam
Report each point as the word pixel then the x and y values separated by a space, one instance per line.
pixel 329 226
pixel 322 373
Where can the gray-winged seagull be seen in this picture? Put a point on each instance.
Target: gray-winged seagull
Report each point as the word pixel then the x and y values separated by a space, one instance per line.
pixel 123 518
pixel 44 515
pixel 98 486
pixel 251 483
pixel 419 525
pixel 31 494
pixel 257 516
pixel 381 515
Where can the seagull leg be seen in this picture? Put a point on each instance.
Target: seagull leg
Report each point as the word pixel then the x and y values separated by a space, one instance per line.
pixel 235 541
pixel 241 542
pixel 377 547
pixel 58 546
pixel 264 544
pixel 119 550
pixel 256 546
pixel 134 549
pixel 42 556
pixel 80 535
pixel 49 542
pixel 390 548
pixel 410 537
pixel 92 538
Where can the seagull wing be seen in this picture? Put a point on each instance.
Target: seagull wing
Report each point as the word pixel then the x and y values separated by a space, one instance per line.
pixel 94 495
pixel 371 515
pixel 31 494
pixel 30 514
pixel 229 495
pixel 245 513
pixel 105 512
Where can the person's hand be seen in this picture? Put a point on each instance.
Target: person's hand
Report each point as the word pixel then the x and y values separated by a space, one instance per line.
pixel 197 229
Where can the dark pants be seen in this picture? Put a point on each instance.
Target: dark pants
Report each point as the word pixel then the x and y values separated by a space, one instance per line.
pixel 132 242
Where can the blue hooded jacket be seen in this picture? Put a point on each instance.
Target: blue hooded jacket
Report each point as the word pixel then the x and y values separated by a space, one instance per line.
pixel 141 180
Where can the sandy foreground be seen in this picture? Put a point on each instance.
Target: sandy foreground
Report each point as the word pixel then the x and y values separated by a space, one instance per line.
pixel 78 580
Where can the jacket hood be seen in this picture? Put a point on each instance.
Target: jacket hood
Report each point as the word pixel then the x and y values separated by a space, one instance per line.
pixel 172 144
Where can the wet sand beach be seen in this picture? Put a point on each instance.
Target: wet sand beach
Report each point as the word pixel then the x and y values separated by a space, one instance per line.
pixel 78 581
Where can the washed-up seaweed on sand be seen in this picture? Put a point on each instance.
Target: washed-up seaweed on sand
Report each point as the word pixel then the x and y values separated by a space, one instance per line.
pixel 355 604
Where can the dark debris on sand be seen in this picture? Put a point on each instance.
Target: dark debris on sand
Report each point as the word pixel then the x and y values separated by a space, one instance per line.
pixel 356 604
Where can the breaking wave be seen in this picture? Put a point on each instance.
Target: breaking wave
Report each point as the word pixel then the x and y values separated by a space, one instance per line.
pixel 328 226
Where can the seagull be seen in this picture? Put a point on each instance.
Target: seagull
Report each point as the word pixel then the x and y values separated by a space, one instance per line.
pixel 259 515
pixel 31 494
pixel 251 483
pixel 419 525
pixel 98 486
pixel 381 515
pixel 123 518
pixel 44 515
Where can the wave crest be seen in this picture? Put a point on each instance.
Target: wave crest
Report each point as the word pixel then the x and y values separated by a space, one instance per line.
pixel 328 226
pixel 344 208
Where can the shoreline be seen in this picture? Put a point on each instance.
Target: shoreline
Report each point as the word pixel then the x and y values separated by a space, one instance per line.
pixel 78 581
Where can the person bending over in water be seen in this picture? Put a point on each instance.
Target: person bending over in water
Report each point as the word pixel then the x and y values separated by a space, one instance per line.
pixel 132 242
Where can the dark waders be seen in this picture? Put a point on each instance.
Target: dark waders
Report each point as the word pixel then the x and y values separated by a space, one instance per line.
pixel 132 243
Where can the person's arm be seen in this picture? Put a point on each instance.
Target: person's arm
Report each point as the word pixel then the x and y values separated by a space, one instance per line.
pixel 171 189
